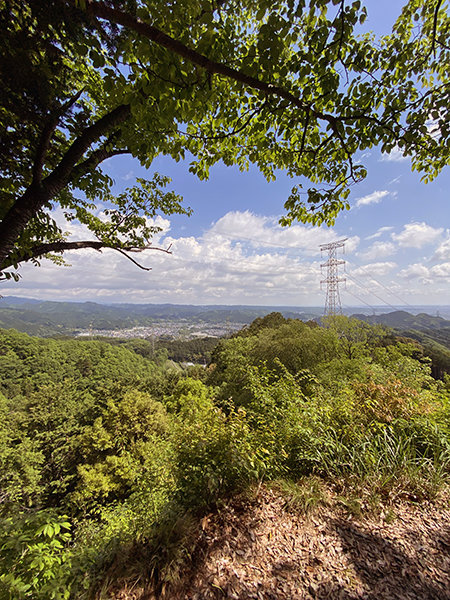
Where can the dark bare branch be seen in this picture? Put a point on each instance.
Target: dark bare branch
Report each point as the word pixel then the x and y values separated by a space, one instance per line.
pixel 222 136
pixel 36 196
pixel 61 246
pixel 47 134
pixel 435 19
pixel 305 129
pixel 135 262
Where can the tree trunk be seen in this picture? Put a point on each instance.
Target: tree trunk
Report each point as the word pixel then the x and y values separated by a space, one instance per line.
pixel 37 195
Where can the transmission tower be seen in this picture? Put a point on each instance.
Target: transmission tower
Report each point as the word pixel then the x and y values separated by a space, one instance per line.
pixel 333 300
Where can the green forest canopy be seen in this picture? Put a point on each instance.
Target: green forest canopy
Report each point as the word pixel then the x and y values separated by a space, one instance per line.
pixel 281 84
pixel 106 456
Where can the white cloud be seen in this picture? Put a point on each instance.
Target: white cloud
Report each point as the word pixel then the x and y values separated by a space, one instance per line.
pixel 416 271
pixel 442 270
pixel 428 276
pixel 378 250
pixel 416 235
pixel 128 176
pixel 373 198
pixel 395 155
pixel 377 268
pixel 265 232
pixel 443 251
pixel 379 233
pixel 242 258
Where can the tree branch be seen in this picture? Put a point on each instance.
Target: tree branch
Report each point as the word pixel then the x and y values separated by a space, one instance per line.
pixel 103 11
pixel 37 195
pixel 46 136
pixel 61 246
pixel 135 262
pixel 223 136
pixel 94 160
pixel 435 19
pixel 60 176
pixel 305 128
pixel 214 6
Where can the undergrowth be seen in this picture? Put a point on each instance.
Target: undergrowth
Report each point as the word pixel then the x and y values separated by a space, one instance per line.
pixel 110 489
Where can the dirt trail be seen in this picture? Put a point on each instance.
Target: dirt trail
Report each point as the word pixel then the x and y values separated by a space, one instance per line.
pixel 257 549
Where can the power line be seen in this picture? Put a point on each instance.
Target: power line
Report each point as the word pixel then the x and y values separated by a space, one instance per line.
pixel 360 300
pixel 391 292
pixel 352 277
pixel 404 303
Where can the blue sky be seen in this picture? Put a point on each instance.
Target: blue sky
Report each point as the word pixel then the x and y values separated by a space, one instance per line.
pixel 232 250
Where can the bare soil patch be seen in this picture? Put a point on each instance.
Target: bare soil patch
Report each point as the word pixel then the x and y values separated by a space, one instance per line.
pixel 256 548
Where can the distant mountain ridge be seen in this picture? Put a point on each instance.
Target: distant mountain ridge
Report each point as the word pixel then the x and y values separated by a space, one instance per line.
pixel 47 318
pixel 401 319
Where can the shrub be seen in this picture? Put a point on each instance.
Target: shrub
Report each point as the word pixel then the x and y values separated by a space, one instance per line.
pixel 35 560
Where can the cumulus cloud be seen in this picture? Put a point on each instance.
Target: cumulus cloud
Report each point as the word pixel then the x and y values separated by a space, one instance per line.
pixel 416 235
pixel 265 232
pixel 377 268
pixel 378 250
pixel 242 258
pixel 416 271
pixel 74 229
pixel 443 250
pixel 373 198
pixel 442 270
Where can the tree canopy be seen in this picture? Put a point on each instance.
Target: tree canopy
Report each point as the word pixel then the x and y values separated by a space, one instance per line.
pixel 287 85
pixel 106 456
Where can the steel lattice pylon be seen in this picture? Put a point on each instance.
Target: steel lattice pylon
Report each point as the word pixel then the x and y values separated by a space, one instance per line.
pixel 333 300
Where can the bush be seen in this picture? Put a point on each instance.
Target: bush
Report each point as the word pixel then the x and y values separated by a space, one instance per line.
pixel 35 559
pixel 213 450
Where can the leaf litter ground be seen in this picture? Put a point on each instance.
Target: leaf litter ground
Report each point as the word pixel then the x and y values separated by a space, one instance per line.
pixel 257 548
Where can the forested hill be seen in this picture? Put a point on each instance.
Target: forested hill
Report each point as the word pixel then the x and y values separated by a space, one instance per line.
pixel 433 333
pixel 400 319
pixel 46 318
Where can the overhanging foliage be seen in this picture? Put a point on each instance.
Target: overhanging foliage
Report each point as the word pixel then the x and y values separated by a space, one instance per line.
pixel 285 85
